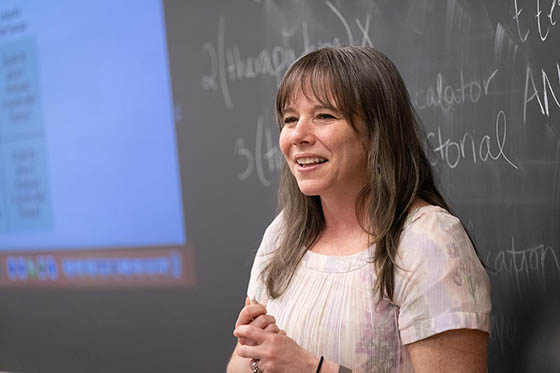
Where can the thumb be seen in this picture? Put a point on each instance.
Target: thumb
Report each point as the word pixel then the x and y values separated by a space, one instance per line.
pixel 247 301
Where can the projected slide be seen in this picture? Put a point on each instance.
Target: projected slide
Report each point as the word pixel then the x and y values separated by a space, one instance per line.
pixel 90 191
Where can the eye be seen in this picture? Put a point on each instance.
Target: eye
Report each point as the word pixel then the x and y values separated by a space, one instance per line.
pixel 289 120
pixel 325 116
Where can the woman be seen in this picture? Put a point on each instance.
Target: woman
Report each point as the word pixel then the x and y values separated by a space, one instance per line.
pixel 364 269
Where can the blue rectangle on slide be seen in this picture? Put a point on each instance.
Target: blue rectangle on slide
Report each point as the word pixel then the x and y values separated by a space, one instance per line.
pixel 25 186
pixel 19 95
pixel 88 146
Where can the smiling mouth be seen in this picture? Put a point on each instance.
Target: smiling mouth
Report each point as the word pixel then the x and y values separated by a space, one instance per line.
pixel 310 162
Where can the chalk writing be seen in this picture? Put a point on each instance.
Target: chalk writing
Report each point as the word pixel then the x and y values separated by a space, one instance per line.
pixel 532 92
pixel 445 95
pixel 217 66
pixel 309 46
pixel 266 158
pixel 272 63
pixel 209 81
pixel 227 64
pixel 550 16
pixel 452 152
pixel 544 18
pixel 529 264
pixel 363 30
pixel 517 22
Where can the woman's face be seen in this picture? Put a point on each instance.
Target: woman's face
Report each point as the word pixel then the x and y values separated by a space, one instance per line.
pixel 325 154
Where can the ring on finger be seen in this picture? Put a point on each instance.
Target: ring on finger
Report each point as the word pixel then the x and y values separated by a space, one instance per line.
pixel 255 366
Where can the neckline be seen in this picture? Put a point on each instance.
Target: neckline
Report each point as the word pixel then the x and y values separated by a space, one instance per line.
pixel 410 218
pixel 336 263
pixel 356 254
pixel 352 262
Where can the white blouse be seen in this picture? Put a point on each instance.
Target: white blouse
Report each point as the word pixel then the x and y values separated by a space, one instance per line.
pixel 330 307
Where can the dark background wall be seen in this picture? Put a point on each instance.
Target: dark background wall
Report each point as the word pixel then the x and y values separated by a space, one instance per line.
pixel 484 77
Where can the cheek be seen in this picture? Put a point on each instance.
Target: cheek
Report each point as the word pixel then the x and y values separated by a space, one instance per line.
pixel 355 154
pixel 284 144
pixel 361 159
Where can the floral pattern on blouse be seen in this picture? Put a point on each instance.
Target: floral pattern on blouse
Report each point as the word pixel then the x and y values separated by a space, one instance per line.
pixel 330 307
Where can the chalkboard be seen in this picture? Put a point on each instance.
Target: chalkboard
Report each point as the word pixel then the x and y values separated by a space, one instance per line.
pixel 484 77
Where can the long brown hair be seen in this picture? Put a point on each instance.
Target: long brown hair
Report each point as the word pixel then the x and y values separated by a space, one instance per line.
pixel 365 86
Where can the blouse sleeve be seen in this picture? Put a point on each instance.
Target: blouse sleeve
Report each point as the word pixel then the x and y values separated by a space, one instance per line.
pixel 441 284
pixel 257 288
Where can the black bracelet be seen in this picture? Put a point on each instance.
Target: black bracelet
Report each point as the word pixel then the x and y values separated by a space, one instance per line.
pixel 320 363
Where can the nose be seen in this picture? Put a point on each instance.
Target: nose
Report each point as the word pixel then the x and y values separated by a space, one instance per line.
pixel 303 132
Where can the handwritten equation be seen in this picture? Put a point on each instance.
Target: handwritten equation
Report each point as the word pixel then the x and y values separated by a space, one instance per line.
pixel 484 79
pixel 227 64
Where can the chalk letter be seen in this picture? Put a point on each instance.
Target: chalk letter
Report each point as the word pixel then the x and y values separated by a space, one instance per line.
pixel 516 18
pixel 546 82
pixel 538 16
pixel 535 94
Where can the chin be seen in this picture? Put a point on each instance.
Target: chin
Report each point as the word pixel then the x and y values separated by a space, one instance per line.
pixel 309 190
pixel 309 194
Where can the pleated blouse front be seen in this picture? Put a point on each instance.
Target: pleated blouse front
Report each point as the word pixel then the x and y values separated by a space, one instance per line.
pixel 330 307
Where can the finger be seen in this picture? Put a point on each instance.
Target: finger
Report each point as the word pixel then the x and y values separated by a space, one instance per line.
pixel 282 332
pixel 263 321
pixel 250 352
pixel 272 328
pixel 246 341
pixel 250 312
pixel 248 331
pixel 247 301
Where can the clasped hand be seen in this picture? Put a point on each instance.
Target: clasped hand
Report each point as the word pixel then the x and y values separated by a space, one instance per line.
pixel 260 338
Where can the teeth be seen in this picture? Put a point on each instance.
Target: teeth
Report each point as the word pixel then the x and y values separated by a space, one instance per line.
pixel 309 160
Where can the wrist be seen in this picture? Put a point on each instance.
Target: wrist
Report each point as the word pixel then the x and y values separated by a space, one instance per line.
pixel 328 367
pixel 313 363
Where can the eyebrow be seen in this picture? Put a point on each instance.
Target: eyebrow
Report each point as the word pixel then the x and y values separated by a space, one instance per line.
pixel 318 107
pixel 325 106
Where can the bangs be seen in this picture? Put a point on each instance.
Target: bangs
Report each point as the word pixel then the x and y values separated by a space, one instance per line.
pixel 316 76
